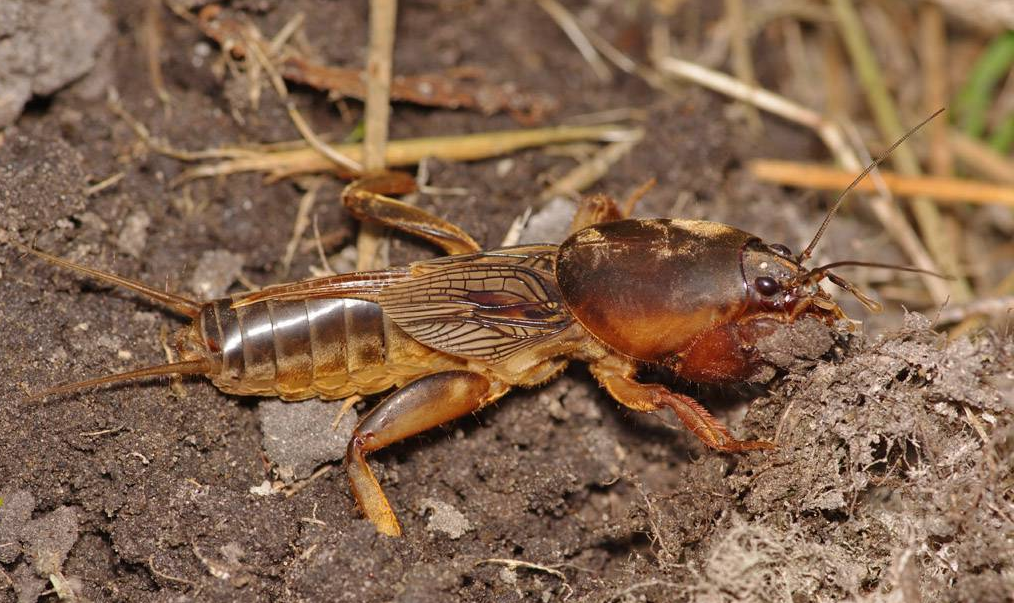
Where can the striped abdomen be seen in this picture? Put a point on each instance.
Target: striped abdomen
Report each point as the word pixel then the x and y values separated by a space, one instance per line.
pixel 331 348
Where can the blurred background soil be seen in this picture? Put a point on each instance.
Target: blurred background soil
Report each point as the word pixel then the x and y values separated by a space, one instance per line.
pixel 893 480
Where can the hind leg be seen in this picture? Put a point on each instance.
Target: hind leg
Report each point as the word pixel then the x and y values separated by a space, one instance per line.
pixel 417 407
pixel 364 200
pixel 595 209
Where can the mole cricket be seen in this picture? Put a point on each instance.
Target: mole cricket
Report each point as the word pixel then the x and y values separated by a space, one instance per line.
pixel 455 333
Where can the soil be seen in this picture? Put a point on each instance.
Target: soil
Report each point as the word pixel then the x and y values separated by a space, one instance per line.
pixel 892 482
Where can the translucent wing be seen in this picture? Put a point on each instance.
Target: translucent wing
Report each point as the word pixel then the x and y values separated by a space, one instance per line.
pixel 485 309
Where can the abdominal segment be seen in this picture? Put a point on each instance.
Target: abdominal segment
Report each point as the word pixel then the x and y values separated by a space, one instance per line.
pixel 331 348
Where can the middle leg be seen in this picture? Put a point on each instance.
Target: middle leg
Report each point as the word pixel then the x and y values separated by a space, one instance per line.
pixel 596 209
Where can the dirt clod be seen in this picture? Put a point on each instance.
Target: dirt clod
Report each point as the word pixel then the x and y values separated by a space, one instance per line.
pixel 299 437
pixel 444 518
pixel 44 46
pixel 215 272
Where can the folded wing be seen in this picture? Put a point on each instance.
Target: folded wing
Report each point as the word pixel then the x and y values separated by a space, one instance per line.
pixel 484 310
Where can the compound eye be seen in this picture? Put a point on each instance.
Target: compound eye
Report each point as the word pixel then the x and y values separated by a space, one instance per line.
pixel 781 250
pixel 767 286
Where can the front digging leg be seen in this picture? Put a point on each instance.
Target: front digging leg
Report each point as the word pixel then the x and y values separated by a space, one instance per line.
pixel 618 378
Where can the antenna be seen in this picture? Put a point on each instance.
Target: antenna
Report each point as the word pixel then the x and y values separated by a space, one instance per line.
pixel 805 254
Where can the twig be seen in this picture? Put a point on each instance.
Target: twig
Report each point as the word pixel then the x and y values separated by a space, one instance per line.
pixel 457 89
pixel 371 245
pixel 296 487
pixel 815 176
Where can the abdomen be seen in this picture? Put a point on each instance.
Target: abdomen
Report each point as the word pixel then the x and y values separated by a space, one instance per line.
pixel 331 348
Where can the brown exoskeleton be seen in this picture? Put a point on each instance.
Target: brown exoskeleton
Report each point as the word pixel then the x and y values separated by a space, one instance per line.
pixel 454 334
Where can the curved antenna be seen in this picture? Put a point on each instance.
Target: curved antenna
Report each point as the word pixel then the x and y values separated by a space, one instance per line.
pixel 805 254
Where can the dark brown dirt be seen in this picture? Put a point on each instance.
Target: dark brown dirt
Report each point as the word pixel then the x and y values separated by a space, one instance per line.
pixel 883 488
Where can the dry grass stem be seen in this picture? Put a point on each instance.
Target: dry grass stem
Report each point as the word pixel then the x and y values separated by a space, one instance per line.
pixel 759 97
pixel 514 564
pixel 263 60
pixel 301 223
pixel 742 61
pixel 815 176
pixel 371 243
pixel 151 31
pixel 329 152
pixel 573 30
pixel 281 38
pixel 378 78
pixel 513 234
pixel 591 171
pixel 297 159
pixel 933 55
pixel 980 158
pixel 104 184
